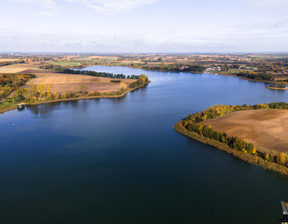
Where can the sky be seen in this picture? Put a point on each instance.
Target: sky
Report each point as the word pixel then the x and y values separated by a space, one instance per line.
pixel 144 26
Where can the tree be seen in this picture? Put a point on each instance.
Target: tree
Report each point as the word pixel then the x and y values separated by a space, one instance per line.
pixel 282 159
pixel 216 136
pixel 249 148
pixel 267 157
pixel 123 86
pixel 83 90
pixel 254 150
pixel 48 92
pixel 272 85
pixel 143 78
pixel 281 85
pixel 19 98
pixel 42 90
pixel 32 91
pixel 64 95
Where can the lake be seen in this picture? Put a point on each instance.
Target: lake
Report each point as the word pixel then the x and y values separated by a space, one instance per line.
pixel 120 161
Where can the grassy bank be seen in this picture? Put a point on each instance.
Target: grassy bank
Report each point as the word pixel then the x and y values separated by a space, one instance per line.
pixel 7 108
pixel 252 159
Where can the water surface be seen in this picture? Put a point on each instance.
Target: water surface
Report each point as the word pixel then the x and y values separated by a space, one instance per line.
pixel 120 161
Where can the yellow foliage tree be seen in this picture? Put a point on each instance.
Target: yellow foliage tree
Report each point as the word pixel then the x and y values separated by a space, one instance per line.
pixel 244 150
pixel 42 90
pixel 123 86
pixel 57 96
pixel 143 78
pixel 282 158
pixel 48 92
pixel 64 95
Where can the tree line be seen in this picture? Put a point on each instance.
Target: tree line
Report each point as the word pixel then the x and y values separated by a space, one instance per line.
pixel 175 68
pixel 219 110
pixel 255 76
pixel 100 74
pixel 233 142
pixel 280 85
pixel 4 63
pixel 61 69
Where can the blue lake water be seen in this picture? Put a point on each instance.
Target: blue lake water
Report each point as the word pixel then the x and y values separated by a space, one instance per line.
pixel 120 161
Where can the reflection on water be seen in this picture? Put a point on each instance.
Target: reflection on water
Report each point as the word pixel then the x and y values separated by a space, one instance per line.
pixel 120 161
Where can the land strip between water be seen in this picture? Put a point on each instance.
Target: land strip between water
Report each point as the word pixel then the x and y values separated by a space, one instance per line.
pixel 33 86
pixel 256 134
pixel 252 159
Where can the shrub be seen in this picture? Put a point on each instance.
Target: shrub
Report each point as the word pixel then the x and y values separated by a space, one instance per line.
pixel 281 85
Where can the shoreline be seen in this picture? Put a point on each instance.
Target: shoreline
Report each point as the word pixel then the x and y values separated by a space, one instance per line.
pixel 230 75
pixel 275 88
pixel 252 159
pixel 152 70
pixel 204 72
pixel 13 107
pixel 241 77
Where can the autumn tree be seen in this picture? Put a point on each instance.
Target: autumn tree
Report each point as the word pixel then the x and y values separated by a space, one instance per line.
pixel 83 89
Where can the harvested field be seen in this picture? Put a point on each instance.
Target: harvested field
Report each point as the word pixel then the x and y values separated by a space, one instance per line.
pixel 16 68
pixel 8 59
pixel 68 82
pixel 267 129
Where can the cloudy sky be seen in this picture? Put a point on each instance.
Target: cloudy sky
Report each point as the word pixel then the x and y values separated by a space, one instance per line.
pixel 144 26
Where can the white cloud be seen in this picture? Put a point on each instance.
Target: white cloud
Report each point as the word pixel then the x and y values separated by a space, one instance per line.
pixel 107 7
pixel 269 4
pixel 43 3
pixel 46 13
pixel 110 7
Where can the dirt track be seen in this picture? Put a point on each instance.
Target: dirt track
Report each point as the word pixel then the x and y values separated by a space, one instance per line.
pixel 267 129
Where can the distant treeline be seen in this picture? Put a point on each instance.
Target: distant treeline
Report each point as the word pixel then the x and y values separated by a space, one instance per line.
pixel 280 85
pixel 100 74
pixel 4 63
pixel 175 68
pixel 59 68
pixel 255 76
pixel 55 68
pixel 193 123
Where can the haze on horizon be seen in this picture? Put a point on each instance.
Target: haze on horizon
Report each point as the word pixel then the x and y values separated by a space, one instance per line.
pixel 144 26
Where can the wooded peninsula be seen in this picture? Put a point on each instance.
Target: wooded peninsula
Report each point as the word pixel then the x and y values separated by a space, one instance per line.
pixel 260 132
pixel 35 85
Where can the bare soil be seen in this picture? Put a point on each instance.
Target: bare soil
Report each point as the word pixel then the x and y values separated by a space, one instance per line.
pixel 17 68
pixel 267 129
pixel 8 59
pixel 68 82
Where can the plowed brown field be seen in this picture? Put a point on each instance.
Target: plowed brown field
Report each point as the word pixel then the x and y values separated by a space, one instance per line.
pixel 267 129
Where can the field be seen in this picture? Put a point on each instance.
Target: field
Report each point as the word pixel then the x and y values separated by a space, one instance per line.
pixel 8 59
pixel 67 82
pixel 67 63
pixel 16 68
pixel 267 129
